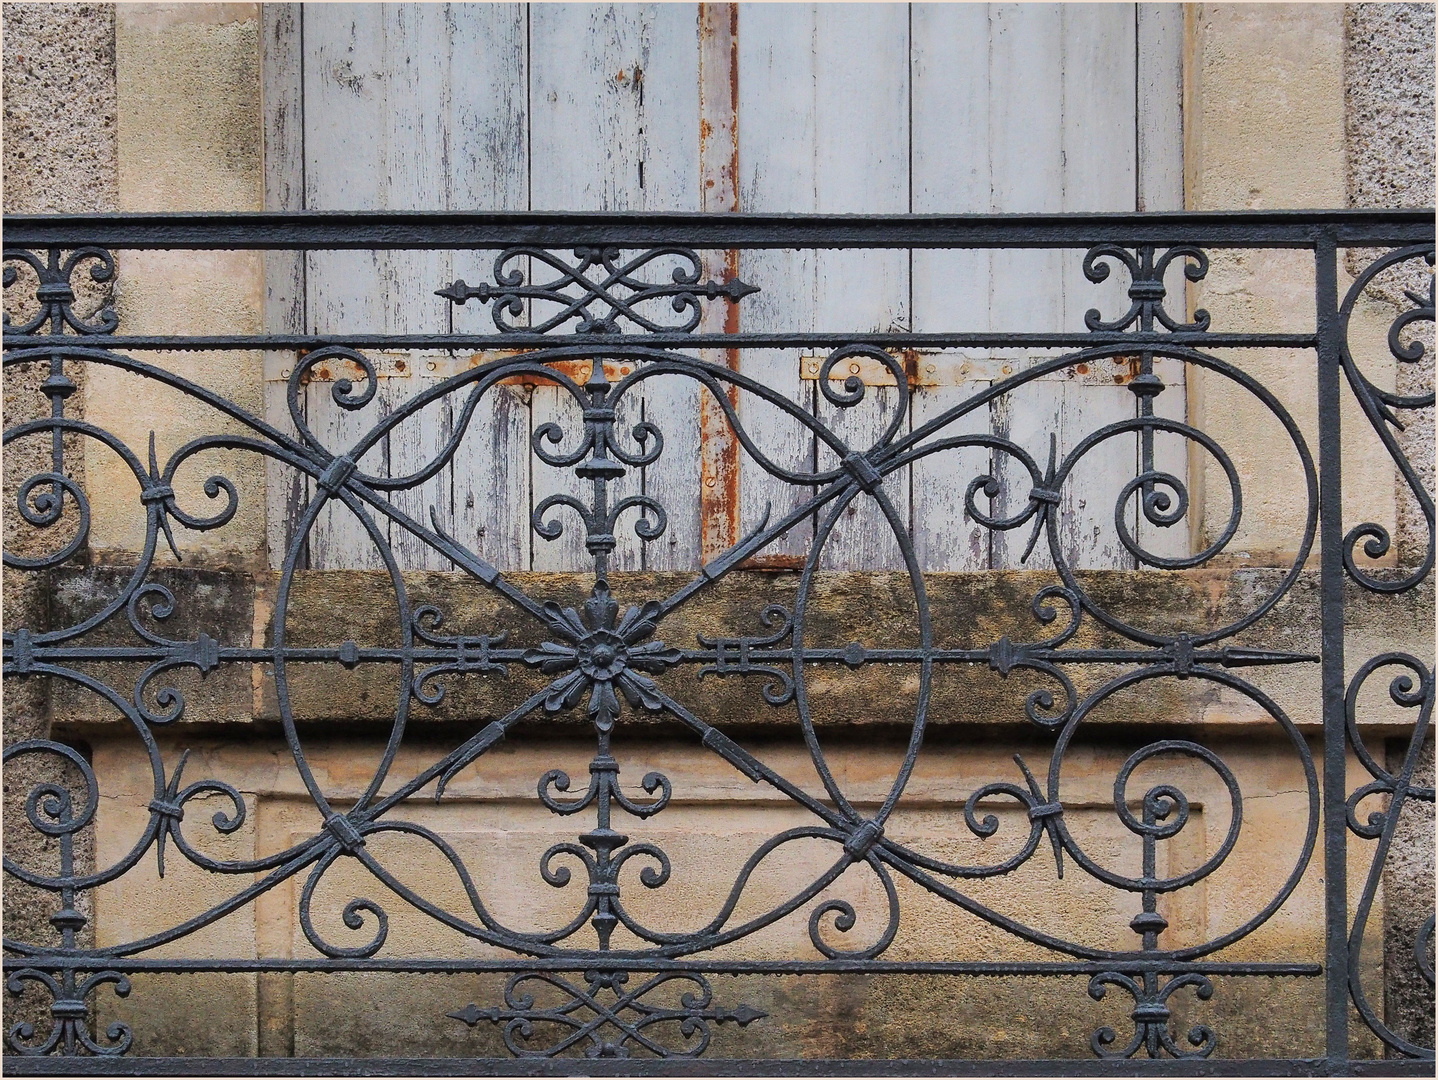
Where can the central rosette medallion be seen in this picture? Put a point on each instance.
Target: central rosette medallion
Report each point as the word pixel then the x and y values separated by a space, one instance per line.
pixel 602 655
pixel 601 652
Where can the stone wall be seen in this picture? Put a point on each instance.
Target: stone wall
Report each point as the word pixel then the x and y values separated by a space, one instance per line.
pixel 1388 97
pixel 59 157
pixel 1388 94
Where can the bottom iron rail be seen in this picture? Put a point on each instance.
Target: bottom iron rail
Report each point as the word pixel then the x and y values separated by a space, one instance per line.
pixel 935 1067
pixel 1158 966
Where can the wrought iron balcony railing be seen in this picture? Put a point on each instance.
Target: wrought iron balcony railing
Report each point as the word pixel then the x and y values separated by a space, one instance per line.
pixel 596 308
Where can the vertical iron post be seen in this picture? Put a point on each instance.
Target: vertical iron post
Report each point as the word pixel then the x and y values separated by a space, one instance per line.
pixel 1335 780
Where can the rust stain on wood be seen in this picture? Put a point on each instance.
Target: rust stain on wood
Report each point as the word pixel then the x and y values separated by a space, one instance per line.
pixel 719 193
pixel 442 366
pixel 927 369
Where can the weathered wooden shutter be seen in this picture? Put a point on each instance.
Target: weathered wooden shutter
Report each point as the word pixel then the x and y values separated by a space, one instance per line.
pixel 840 108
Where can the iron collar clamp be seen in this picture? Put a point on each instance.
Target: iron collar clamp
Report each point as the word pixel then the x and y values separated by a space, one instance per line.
pixel 862 839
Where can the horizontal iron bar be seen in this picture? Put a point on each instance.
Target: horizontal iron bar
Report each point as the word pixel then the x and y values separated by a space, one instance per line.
pixel 490 342
pixel 334 230
pixel 1227 656
pixel 937 1067
pixel 1236 969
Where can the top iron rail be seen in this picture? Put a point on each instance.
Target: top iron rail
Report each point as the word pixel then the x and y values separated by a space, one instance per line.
pixel 417 230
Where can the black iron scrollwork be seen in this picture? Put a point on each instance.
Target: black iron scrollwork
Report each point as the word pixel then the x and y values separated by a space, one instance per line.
pixel 599 654
pixel 607 662
pixel 1384 410
pixel 586 1018
pixel 598 276
pixel 1151 1015
pixel 69 1009
pixel 55 291
pixel 1146 289
pixel 1411 686
pixel 735 655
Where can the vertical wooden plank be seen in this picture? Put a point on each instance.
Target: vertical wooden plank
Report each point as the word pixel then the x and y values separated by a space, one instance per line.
pixel 1099 140
pixel 575 98
pixel 672 403
pixel 596 127
pixel 489 153
pixel 777 110
pixel 614 94
pixel 816 138
pixel 1096 139
pixel 283 110
pixel 1160 107
pixel 669 120
pixel 489 77
pixel 1101 174
pixel 345 73
pixel 1026 73
pixel 862 165
pixel 345 76
pixel 385 76
pixel 283 106
pixel 951 174
pixel 945 536
pixel 418 40
pixel 491 478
